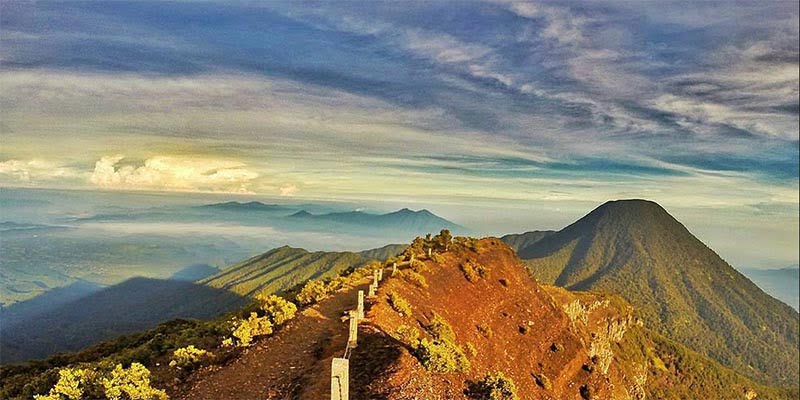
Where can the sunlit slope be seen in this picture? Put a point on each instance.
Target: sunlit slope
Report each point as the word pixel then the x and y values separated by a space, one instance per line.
pixel 285 267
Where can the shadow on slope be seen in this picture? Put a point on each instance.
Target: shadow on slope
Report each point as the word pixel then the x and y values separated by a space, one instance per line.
pixel 133 305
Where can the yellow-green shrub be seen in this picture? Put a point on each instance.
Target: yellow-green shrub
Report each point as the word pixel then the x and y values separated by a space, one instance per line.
pixel 414 278
pixel 408 336
pixel 246 329
pixel 277 309
pixel 442 356
pixel 133 383
pixel 69 386
pixel 399 304
pixel 313 291
pixel 440 329
pixel 188 357
pixel 494 387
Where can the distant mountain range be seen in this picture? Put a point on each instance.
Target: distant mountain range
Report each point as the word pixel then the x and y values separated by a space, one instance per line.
pixel 249 206
pixel 678 285
pixel 405 220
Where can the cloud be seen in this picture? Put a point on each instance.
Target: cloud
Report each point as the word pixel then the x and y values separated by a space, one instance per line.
pixel 288 190
pixel 172 173
pixel 32 171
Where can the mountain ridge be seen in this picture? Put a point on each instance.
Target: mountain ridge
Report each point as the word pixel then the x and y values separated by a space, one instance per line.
pixel 680 286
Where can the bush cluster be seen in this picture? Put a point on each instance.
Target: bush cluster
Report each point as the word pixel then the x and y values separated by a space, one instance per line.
pixel 133 383
pixel 494 387
pixel 276 308
pixel 413 278
pixel 399 304
pixel 408 336
pixel 442 353
pixel 473 271
pixel 485 330
pixel 188 357
pixel 120 383
pixel 244 330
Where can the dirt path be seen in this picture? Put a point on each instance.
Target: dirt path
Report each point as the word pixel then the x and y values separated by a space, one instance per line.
pixel 292 364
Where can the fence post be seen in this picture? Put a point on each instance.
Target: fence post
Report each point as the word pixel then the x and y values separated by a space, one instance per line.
pixel 340 379
pixel 394 268
pixel 371 292
pixel 375 278
pixel 380 274
pixel 352 342
pixel 360 308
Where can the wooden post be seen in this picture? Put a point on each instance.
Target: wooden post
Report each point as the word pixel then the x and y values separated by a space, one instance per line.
pixel 430 251
pixel 380 274
pixel 371 292
pixel 375 278
pixel 360 308
pixel 340 379
pixel 394 268
pixel 353 340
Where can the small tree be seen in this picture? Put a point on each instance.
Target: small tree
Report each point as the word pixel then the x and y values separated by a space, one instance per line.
pixel 443 240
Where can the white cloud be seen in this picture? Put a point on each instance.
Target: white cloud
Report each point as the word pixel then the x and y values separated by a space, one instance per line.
pixel 173 173
pixel 288 190
pixel 34 170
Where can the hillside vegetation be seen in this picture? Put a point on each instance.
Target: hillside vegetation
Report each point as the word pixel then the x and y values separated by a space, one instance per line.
pixel 680 287
pixel 511 338
pixel 142 303
pixel 286 267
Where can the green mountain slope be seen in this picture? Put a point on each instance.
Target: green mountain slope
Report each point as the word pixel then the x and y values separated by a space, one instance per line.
pixel 519 241
pixel 285 267
pixel 680 287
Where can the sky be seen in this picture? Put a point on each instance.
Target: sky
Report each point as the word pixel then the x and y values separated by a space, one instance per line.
pixel 512 116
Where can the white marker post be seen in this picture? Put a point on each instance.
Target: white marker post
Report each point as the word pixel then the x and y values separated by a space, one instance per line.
pixel 394 268
pixel 375 278
pixel 352 342
pixel 380 274
pixel 371 292
pixel 340 379
pixel 360 308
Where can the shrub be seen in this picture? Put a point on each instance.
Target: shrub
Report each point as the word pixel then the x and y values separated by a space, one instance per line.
pixel 188 357
pixel 556 347
pixel 399 304
pixel 440 329
pixel 133 382
pixel 543 381
pixel 408 336
pixel 418 266
pixel 70 385
pixel 485 330
pixel 494 387
pixel 277 309
pixel 313 291
pixel 246 329
pixel 441 356
pixel 473 271
pixel 471 350
pixel 414 278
